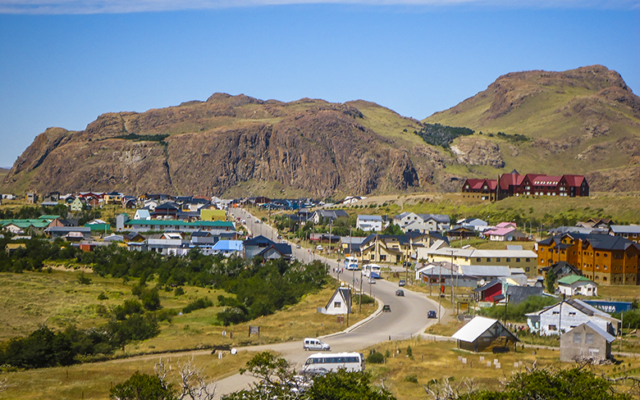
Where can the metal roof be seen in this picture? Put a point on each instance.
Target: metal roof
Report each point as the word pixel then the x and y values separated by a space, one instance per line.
pixel 474 328
pixel 625 229
pixel 598 330
pixel 485 270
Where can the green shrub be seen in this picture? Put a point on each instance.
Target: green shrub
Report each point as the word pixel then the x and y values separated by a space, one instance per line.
pixel 413 378
pixel 83 279
pixel 375 358
pixel 178 292
pixel 102 296
pixel 197 305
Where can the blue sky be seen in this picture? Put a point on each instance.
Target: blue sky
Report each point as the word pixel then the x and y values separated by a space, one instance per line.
pixel 64 62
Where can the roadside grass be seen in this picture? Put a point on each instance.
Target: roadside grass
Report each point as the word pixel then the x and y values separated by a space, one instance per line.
pixel 93 381
pixel 446 329
pixel 292 323
pixel 57 299
pixel 437 360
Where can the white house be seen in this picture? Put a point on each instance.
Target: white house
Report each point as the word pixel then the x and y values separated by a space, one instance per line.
pixel 412 222
pixel 369 223
pixel 566 315
pixel 340 302
pixel 575 284
pixel 473 223
pixel 142 213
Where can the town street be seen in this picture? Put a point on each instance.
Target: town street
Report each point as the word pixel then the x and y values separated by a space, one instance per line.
pixel 408 316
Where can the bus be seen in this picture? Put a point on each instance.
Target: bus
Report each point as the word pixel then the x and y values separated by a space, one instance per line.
pixel 351 263
pixel 371 271
pixel 327 362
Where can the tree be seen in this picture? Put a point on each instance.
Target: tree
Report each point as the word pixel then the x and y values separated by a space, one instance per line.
pixel 192 384
pixel 393 229
pixel 550 281
pixel 143 387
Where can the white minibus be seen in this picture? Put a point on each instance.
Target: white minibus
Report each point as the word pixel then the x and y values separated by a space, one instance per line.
pixel 371 271
pixel 332 362
pixel 351 263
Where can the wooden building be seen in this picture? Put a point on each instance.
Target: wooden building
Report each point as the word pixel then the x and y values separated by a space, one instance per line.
pixel 606 260
pixel 485 334
pixel 514 184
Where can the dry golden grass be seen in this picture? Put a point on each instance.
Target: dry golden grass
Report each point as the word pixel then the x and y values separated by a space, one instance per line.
pixel 292 323
pixel 93 381
pixel 56 299
pixel 436 360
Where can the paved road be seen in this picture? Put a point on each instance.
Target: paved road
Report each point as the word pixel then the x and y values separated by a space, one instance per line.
pixel 408 316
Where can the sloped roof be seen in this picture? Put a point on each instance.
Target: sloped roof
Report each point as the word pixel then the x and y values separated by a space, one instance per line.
pixel 370 218
pixel 633 229
pixel 571 279
pixel 228 245
pixel 475 328
pixel 608 337
pixel 486 270
pixel 487 286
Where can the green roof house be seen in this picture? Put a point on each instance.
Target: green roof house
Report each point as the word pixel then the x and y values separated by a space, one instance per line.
pixel 576 284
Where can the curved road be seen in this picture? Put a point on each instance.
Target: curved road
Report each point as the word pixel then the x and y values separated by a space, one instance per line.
pixel 408 316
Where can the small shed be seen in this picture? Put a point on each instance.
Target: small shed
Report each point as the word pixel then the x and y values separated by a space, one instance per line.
pixel 586 342
pixel 340 302
pixel 485 334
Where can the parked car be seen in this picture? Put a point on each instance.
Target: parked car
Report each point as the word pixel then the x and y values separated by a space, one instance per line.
pixel 297 246
pixel 402 282
pixel 386 308
pixel 432 314
pixel 315 344
pixel 319 248
pixel 400 292
pixel 257 221
pixel 372 281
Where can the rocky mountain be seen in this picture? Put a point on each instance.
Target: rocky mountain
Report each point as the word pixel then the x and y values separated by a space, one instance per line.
pixel 582 121
pixel 235 145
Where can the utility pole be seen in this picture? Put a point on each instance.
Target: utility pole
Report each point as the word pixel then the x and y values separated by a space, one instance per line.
pixel 451 283
pixel 439 291
pixel 360 305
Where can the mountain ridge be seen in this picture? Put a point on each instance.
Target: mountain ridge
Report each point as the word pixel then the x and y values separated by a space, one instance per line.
pixel 584 121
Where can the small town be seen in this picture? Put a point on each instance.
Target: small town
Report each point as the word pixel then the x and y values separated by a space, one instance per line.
pixel 319 200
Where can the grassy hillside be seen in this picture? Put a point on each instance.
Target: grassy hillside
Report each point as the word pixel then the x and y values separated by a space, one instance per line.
pixel 577 122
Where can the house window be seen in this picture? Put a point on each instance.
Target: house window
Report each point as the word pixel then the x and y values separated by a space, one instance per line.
pixel 478 259
pixel 542 249
pixel 527 259
pixel 553 328
pixel 497 260
pixel 577 337
pixel 589 338
pixel 556 312
pixel 572 313
pixel 541 261
pixel 337 304
pixel 517 260
pixel 527 269
pixel 488 259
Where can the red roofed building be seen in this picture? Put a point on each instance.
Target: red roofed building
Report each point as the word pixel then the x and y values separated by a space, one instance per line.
pixel 514 184
pixel 482 189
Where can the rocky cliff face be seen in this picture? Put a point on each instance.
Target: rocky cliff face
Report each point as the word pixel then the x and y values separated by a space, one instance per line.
pixel 583 121
pixel 212 147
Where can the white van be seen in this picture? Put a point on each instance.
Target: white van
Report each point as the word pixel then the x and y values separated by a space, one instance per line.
pixel 315 344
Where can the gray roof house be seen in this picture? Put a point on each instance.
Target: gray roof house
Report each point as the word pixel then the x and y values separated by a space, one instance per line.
pixel 586 341
pixel 69 232
pixel 568 314
pixel 370 223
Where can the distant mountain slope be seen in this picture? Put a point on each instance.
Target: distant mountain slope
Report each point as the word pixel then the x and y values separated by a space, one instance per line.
pixel 235 145
pixel 584 121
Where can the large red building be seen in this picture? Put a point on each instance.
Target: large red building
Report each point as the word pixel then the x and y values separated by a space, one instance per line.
pixel 514 184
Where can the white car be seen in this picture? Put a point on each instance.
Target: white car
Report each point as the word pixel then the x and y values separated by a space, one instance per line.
pixel 257 221
pixel 319 248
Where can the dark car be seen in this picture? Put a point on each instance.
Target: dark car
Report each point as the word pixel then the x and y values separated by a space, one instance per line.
pixel 400 293
pixel 402 282
pixel 386 308
pixel 432 314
